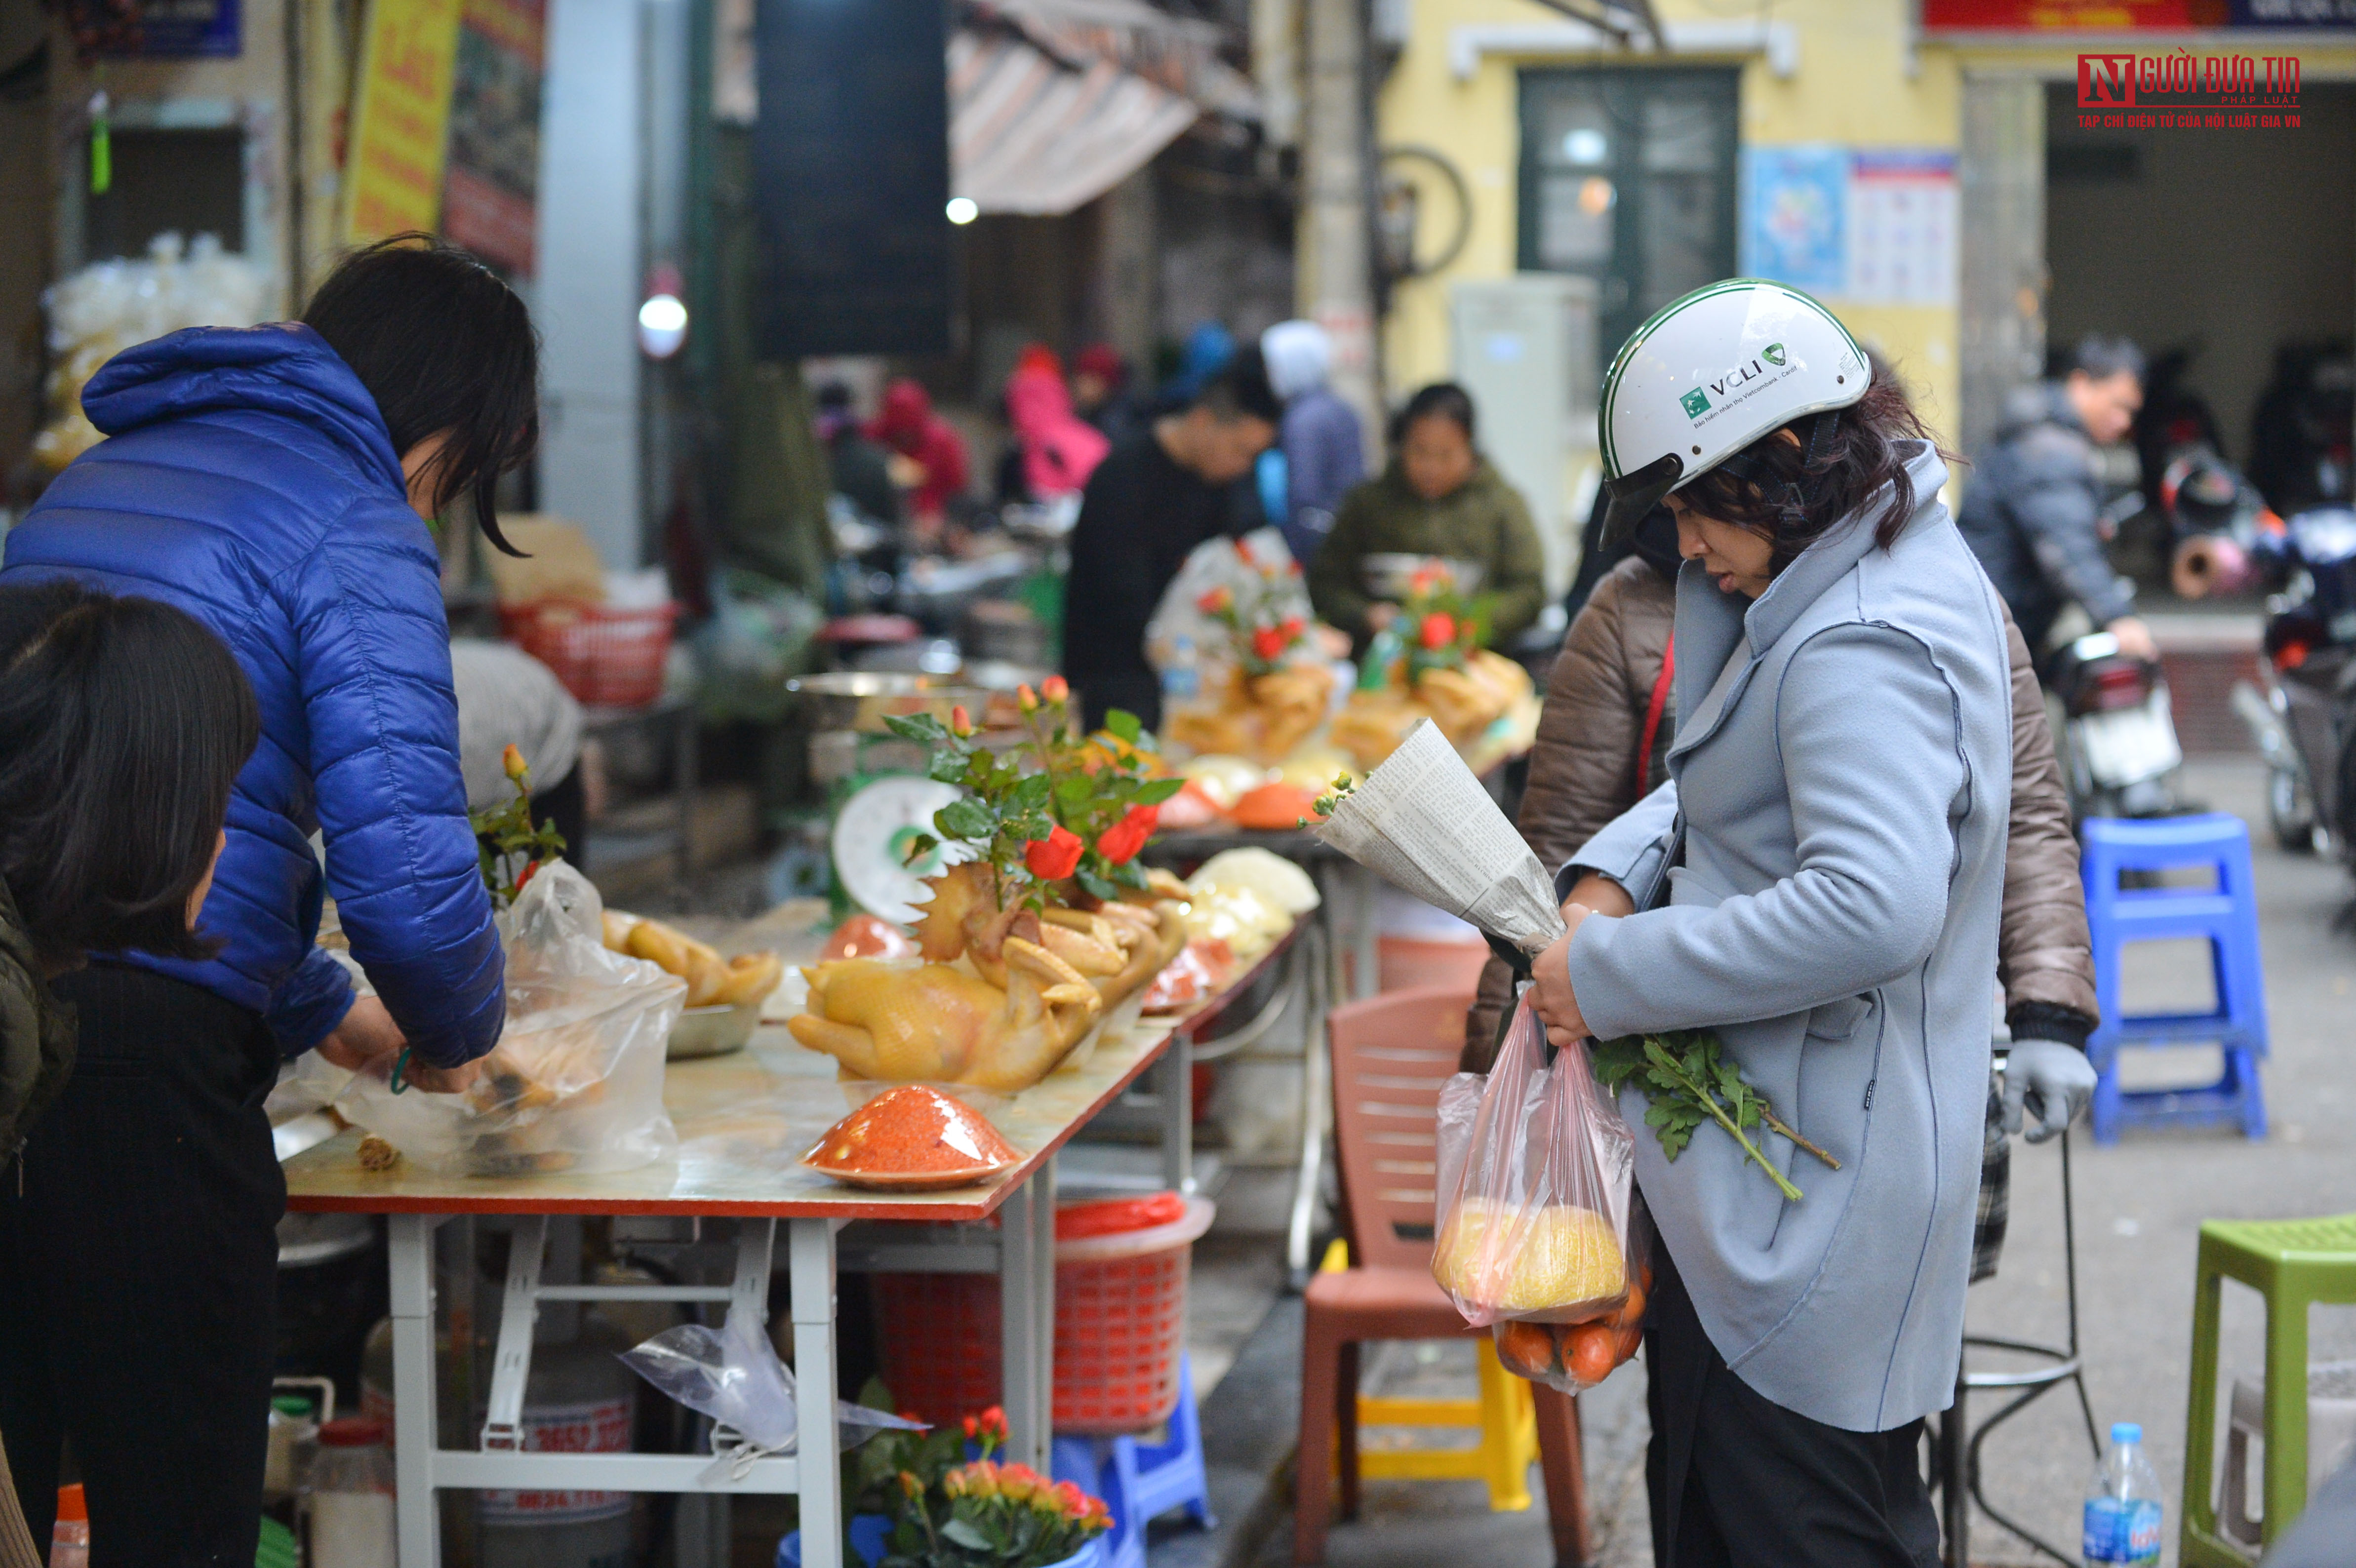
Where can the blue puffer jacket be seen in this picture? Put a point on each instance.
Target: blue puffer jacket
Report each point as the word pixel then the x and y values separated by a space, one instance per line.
pixel 251 481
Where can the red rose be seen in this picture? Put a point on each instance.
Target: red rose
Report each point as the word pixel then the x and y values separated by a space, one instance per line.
pixel 1053 858
pixel 1438 630
pixel 1054 690
pixel 1268 641
pixel 1119 843
pixel 1214 601
pixel 1291 626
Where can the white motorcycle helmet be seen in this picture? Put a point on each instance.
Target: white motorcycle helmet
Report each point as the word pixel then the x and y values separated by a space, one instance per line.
pixel 1709 374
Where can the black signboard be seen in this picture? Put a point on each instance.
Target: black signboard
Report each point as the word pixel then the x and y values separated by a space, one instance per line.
pixel 851 164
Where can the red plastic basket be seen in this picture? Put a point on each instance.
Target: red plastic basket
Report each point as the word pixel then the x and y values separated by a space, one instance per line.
pixel 1121 1323
pixel 604 656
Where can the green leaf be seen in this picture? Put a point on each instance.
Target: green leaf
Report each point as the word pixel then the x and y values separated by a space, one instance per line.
pixel 947 767
pixel 1124 725
pixel 1158 791
pixel 1031 793
pixel 922 845
pixel 1074 789
pixel 966 1535
pixel 965 818
pixel 922 727
pixel 1129 874
pixel 1096 886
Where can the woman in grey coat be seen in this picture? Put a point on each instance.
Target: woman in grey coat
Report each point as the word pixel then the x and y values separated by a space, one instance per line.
pixel 1818 884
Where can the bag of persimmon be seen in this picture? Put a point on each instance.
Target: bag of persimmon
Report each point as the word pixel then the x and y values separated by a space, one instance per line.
pixel 1540 1235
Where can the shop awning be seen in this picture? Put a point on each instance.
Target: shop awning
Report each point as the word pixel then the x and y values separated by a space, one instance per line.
pixel 1053 103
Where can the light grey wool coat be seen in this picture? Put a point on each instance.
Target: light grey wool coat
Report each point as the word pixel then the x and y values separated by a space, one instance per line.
pixel 1834 919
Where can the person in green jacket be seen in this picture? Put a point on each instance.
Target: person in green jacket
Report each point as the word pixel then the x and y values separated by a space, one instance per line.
pixel 1437 498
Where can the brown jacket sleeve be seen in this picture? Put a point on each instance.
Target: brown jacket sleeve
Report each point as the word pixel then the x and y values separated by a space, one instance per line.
pixel 1583 763
pixel 2043 956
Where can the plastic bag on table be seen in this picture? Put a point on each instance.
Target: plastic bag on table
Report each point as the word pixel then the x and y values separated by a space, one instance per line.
pixel 732 1374
pixel 1536 1195
pixel 1232 564
pixel 575 1084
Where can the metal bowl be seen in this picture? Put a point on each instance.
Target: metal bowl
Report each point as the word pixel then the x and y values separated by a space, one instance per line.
pixel 858 699
pixel 712 1032
pixel 1387 573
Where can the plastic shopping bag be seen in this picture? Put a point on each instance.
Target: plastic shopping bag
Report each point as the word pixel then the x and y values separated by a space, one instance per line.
pixel 1536 1214
pixel 575 1084
pixel 733 1375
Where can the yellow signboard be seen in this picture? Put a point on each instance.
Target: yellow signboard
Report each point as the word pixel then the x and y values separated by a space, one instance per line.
pixel 402 132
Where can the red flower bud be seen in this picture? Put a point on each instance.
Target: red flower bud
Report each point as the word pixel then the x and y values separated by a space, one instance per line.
pixel 1268 643
pixel 1027 698
pixel 1054 690
pixel 1438 630
pixel 1051 860
pixel 1214 601
pixel 960 721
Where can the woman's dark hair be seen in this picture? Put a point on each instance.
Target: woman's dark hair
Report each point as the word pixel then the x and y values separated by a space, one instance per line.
pixel 1792 484
pixel 122 724
pixel 1441 400
pixel 441 344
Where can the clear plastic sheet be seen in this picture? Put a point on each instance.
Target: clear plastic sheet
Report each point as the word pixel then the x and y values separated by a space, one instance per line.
pixel 575 1084
pixel 732 1374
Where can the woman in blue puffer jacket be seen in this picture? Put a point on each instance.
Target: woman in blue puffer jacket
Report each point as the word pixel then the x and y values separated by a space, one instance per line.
pixel 276 483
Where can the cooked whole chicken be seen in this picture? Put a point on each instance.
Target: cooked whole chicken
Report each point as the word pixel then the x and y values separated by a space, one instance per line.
pixel 1032 984
pixel 937 1024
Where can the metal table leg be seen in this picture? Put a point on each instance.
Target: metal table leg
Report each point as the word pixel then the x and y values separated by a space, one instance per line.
pixel 417 1514
pixel 1366 938
pixel 810 1260
pixel 1026 1295
pixel 1178 1115
pixel 1310 1177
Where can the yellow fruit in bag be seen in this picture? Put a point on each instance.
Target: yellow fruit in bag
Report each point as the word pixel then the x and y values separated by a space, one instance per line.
pixel 1555 1255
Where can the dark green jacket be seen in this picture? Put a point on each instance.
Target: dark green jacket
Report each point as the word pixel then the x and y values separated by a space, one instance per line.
pixel 37 1033
pixel 1484 520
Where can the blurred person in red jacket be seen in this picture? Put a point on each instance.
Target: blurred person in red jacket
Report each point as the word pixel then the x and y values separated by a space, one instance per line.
pixel 908 426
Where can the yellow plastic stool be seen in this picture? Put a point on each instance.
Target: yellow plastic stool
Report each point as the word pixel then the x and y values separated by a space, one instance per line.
pixel 1503 1413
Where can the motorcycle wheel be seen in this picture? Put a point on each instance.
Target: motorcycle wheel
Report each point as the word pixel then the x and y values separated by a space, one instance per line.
pixel 2289 811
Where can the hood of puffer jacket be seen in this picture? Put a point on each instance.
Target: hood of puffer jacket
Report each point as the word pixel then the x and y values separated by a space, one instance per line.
pixel 37 1033
pixel 285 368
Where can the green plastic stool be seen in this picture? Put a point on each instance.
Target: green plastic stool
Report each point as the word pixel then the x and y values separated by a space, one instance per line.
pixel 2292 1263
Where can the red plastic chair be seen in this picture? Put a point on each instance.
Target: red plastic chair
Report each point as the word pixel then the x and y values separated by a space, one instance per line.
pixel 1391 1055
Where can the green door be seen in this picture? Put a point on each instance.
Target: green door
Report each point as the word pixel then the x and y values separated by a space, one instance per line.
pixel 1628 177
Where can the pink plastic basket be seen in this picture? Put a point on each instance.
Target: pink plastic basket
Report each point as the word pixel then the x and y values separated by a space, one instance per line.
pixel 1121 1323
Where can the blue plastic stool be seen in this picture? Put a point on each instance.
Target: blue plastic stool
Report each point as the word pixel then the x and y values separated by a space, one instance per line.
pixel 2226 918
pixel 1141 1481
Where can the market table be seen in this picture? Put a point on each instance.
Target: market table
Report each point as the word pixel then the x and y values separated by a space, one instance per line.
pixel 741 1120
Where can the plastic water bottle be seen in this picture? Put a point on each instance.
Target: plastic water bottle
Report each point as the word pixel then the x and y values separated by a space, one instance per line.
pixel 1183 679
pixel 2122 1513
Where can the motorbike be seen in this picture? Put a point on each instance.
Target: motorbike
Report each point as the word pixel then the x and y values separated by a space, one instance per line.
pixel 2302 716
pixel 2119 749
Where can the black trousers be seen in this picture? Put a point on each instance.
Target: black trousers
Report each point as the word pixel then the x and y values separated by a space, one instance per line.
pixel 1736 1480
pixel 138 1277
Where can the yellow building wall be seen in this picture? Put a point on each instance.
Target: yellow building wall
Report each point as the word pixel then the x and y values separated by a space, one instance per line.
pixel 1852 85
pixel 1862 78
